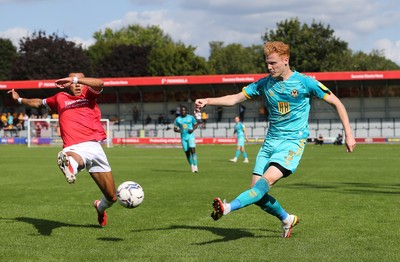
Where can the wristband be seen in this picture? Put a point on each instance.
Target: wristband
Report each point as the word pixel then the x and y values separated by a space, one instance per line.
pixel 20 100
pixel 75 80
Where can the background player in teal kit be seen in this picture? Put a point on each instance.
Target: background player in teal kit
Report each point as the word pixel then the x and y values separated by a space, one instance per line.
pixel 287 97
pixel 186 124
pixel 241 136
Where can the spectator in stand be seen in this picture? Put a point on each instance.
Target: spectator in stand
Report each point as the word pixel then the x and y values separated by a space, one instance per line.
pixel 148 119
pixel 339 140
pixel 4 119
pixel 242 110
pixel 261 113
pixel 135 112
pixel 319 140
pixel 220 111
pixel 160 119
pixel 197 115
pixel 20 122
pixel 204 117
pixel 178 111
pixel 10 120
pixel 25 117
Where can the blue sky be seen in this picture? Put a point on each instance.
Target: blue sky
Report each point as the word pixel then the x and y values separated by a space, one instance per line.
pixel 364 24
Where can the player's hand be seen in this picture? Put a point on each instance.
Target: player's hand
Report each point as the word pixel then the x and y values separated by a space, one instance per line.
pixel 350 143
pixel 64 82
pixel 200 103
pixel 190 131
pixel 14 94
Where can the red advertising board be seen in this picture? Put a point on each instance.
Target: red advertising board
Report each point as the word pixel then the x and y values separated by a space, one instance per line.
pixel 169 141
pixel 206 79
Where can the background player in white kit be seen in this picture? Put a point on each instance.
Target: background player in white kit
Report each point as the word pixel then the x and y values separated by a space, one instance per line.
pixel 81 132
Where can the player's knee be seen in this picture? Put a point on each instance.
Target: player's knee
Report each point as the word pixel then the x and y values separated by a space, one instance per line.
pixel 261 186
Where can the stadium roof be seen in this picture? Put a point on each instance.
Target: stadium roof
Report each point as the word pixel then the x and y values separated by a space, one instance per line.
pixel 205 79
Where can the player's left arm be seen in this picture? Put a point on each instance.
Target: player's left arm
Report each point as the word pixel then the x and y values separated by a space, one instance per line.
pixel 95 83
pixel 195 125
pixel 334 101
pixel 245 134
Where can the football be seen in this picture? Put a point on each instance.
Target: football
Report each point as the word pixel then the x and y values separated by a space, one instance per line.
pixel 130 194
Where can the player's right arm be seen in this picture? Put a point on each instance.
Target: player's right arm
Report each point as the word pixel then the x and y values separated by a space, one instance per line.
pixel 176 127
pixel 32 102
pixel 229 100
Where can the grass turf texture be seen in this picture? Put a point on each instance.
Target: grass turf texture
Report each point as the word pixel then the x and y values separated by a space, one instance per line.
pixel 348 206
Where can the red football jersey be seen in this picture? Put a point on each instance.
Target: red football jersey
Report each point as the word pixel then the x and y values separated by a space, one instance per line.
pixel 79 116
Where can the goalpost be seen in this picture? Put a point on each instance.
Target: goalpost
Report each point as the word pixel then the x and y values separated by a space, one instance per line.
pixel 46 132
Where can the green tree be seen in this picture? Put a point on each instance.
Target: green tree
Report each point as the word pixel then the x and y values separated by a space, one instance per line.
pixel 8 54
pixel 313 48
pixel 48 57
pixel 176 59
pixel 150 36
pixel 123 61
pixel 236 59
pixel 165 58
pixel 374 61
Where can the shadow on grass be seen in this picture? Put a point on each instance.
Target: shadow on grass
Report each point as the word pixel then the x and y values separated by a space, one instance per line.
pixel 171 171
pixel 45 227
pixel 352 188
pixel 227 234
pixel 110 239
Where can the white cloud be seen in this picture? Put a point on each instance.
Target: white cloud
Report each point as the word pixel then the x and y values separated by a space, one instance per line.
pixel 85 43
pixel 390 49
pixel 15 34
pixel 361 23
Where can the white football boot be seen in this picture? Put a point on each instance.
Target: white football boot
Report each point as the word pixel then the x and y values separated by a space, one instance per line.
pixel 63 164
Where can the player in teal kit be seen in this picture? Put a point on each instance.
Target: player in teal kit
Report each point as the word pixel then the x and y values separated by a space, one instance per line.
pixel 186 124
pixel 287 96
pixel 240 133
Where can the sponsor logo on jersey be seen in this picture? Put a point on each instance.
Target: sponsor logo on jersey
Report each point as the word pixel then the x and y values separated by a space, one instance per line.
pixel 294 93
pixel 283 107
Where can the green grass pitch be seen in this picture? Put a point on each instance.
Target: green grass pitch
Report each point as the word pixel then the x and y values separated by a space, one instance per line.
pixel 348 205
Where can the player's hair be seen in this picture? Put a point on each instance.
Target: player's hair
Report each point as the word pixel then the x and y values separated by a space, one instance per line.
pixel 184 107
pixel 278 47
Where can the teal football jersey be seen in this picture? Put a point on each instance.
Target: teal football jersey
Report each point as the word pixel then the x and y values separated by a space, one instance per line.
pixel 239 129
pixel 185 124
pixel 288 103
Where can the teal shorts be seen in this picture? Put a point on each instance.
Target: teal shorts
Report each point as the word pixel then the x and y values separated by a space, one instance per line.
pixel 286 153
pixel 188 143
pixel 240 141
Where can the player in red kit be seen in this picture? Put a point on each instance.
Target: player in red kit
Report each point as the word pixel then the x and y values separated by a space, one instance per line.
pixel 81 133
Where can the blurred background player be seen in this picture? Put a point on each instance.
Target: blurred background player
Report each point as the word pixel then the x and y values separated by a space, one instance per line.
pixel 81 132
pixel 287 96
pixel 241 136
pixel 186 124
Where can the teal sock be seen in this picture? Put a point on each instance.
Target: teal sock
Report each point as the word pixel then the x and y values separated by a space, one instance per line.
pixel 194 159
pixel 237 154
pixel 272 206
pixel 244 155
pixel 251 196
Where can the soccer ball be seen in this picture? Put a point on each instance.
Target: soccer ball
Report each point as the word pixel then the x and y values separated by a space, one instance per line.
pixel 130 194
